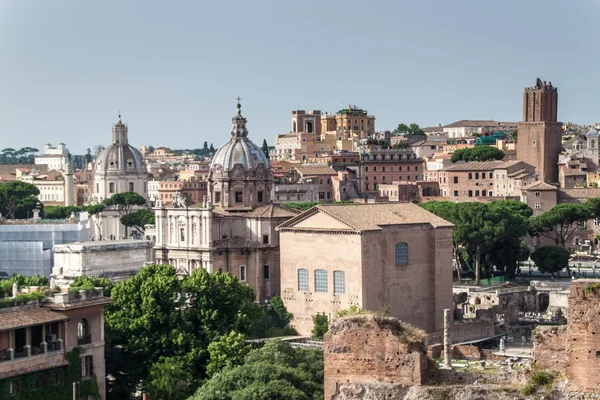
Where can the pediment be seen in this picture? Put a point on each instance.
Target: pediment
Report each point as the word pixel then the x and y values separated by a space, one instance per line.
pixel 320 221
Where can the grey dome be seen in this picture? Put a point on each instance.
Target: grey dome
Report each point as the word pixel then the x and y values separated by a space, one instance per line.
pixel 592 132
pixel 120 156
pixel 239 149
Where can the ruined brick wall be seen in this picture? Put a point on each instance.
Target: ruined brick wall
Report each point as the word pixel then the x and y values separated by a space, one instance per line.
pixel 583 336
pixel 364 350
pixel 550 348
pixel 471 330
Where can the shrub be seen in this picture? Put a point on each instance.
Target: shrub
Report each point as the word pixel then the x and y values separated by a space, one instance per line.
pixel 541 378
pixel 528 389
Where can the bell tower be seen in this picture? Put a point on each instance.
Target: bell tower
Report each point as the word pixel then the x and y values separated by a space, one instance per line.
pixel 539 137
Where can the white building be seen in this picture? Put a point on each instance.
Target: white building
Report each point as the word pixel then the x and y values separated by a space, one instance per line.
pixel 115 260
pixel 54 157
pixel 153 194
pixel 119 167
pixel 466 128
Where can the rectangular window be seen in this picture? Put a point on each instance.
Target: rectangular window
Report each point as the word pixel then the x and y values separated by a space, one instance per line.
pixel 303 285
pixel 320 281
pixel 537 194
pixel 321 195
pixel 131 186
pixel 265 239
pixel 456 179
pixel 259 196
pixel 470 193
pixel 57 377
pixel 111 187
pixel 470 175
pixel 182 234
pixel 266 272
pixel 476 175
pixel 339 282
pixel 483 193
pixel 402 253
pixel 456 193
pixel 477 193
pixel 87 366
pixel 538 206
pixel 14 386
pixel 239 197
pixel 490 193
pixel 328 195
pixel 243 273
pixel 39 382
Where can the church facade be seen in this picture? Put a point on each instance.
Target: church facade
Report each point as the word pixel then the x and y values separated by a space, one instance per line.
pixel 118 168
pixel 233 229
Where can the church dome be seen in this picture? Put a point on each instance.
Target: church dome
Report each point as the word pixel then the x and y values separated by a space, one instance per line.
pixel 592 132
pixel 120 156
pixel 239 149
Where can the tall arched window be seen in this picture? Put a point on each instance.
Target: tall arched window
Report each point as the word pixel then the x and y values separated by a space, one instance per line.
pixel 303 285
pixel 83 332
pixel 402 253
pixel 321 281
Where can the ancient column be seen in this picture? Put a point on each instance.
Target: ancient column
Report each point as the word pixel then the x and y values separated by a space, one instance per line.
pixel 447 348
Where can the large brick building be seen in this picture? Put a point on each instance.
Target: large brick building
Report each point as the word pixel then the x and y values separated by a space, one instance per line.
pixel 367 255
pixel 386 166
pixel 539 139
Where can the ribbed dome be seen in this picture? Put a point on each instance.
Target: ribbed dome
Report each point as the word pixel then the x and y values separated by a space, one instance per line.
pixel 239 149
pixel 120 156
pixel 592 132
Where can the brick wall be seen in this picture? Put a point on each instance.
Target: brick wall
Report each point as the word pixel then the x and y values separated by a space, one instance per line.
pixel 364 350
pixel 549 348
pixel 583 336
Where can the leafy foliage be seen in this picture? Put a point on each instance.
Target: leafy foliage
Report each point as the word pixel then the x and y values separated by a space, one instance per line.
pixel 204 151
pixel 15 194
pixel 477 153
pixel 560 222
pixel 59 212
pixel 226 352
pixel 138 219
pixel 124 202
pixel 158 319
pixel 85 281
pixel 486 234
pixel 25 155
pixel 94 209
pixel 320 326
pixel 412 129
pixel 551 259
pixel 275 371
pixel 265 148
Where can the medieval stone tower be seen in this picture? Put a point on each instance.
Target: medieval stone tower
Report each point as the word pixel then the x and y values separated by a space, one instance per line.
pixel 539 139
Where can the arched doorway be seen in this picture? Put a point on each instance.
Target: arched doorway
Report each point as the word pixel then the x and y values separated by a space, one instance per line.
pixel 543 302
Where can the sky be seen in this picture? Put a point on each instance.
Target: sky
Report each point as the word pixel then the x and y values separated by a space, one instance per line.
pixel 175 68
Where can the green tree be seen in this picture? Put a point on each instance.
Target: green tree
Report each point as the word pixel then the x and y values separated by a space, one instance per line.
pixel 85 281
pixel 34 280
pixel 60 212
pixel 138 219
pixel 94 209
pixel 212 149
pixel 401 128
pixel 560 222
pixel 477 153
pixel 205 148
pixel 275 371
pixel 320 326
pixel 124 202
pixel 227 351
pixel 448 210
pixel 15 193
pixel 415 129
pixel 169 379
pixel 551 259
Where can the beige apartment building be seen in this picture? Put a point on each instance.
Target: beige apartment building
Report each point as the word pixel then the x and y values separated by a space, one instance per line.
pixel 349 120
pixel 485 179
pixel 367 255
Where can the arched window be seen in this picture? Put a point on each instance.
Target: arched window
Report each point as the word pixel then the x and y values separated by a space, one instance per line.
pixel 83 332
pixel 402 253
pixel 339 282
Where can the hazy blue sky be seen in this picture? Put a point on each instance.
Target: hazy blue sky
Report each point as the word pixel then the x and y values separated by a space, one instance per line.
pixel 174 68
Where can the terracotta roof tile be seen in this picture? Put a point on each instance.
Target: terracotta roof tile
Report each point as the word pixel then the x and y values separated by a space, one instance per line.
pixel 17 317
pixel 371 217
pixel 316 170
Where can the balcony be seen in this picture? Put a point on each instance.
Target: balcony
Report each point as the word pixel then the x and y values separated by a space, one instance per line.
pixel 85 339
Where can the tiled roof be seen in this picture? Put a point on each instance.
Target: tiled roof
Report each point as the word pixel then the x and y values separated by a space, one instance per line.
pixel 316 170
pixel 371 217
pixel 29 368
pixel 479 165
pixel 478 123
pixel 17 317
pixel 539 185
pixel 273 211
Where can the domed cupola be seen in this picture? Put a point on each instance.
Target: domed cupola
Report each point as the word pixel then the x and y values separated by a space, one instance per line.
pixel 239 177
pixel 119 167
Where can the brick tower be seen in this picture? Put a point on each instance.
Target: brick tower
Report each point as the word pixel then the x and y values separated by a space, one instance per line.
pixel 539 139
